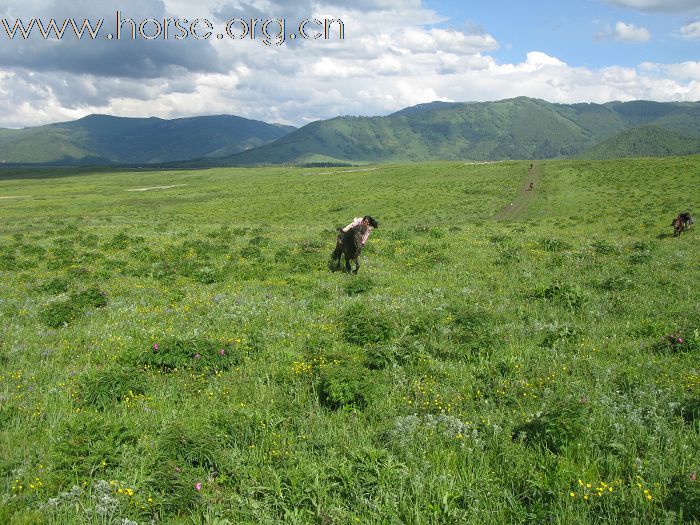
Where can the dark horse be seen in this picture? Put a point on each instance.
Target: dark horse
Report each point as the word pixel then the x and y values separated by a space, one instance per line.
pixel 349 244
pixel 682 223
pixel 677 226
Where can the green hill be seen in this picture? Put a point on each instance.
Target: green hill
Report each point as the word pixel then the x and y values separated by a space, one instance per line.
pixel 103 139
pixel 520 128
pixel 644 141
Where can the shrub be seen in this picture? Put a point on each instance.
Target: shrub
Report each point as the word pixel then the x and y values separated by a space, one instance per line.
pixel 55 286
pixel 208 275
pixel 640 258
pixel 604 247
pixel 437 233
pixel 569 295
pixel 197 445
pixel 59 313
pixel 680 341
pixel 689 410
pixel 556 427
pixel 378 357
pixel 8 261
pixel 616 284
pixel 471 331
pixel 358 285
pixel 345 386
pixel 112 385
pixel 558 335
pixel 196 354
pixel 62 312
pixel 92 297
pixel 119 242
pixel 554 245
pixel 508 253
pixel 362 324
pixel 684 497
pixel 89 442
pixel 175 488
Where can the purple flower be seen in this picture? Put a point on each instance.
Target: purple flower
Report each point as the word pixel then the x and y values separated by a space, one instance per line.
pixel 155 347
pixel 222 352
pixel 198 486
pixel 680 339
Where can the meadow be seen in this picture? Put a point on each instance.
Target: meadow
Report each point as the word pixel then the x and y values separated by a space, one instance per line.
pixel 182 354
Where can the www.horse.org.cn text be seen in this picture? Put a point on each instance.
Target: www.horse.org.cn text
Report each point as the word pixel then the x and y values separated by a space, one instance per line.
pixel 270 31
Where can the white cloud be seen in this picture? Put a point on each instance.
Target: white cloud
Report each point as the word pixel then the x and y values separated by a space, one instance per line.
pixel 393 57
pixel 683 71
pixel 418 40
pixel 658 5
pixel 631 33
pixel 691 30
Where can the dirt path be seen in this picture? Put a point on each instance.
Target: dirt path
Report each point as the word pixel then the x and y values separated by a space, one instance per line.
pixel 525 196
pixel 157 187
pixel 344 171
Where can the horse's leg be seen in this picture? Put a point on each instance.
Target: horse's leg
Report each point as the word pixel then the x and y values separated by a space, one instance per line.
pixel 337 254
pixel 357 263
pixel 347 263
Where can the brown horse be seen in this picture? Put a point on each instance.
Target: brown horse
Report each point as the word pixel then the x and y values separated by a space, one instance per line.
pixel 678 226
pixel 349 243
pixel 682 223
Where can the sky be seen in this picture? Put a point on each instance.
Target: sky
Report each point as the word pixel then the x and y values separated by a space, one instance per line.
pixel 394 54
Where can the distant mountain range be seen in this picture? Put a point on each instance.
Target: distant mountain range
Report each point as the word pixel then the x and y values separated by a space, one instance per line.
pixel 107 140
pixel 519 128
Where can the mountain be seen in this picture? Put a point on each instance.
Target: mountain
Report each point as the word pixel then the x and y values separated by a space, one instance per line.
pixel 644 141
pixel 105 140
pixel 520 128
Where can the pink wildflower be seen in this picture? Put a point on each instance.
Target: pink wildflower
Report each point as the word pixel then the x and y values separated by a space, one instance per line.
pixel 198 486
pixel 222 352
pixel 155 347
pixel 693 476
pixel 197 356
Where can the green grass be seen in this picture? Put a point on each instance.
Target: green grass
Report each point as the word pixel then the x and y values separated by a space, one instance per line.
pixel 184 355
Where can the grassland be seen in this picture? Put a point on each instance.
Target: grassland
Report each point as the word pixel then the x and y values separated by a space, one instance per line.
pixel 184 355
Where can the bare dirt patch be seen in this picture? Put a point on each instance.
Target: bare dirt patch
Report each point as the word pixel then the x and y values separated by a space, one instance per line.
pixel 525 196
pixel 156 187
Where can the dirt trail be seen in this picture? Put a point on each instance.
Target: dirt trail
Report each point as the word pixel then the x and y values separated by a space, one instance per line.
pixel 157 187
pixel 525 196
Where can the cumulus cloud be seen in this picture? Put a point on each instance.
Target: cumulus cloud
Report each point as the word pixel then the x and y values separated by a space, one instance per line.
pixel 395 55
pixel 101 56
pixel 658 5
pixel 630 33
pixel 689 70
pixel 691 31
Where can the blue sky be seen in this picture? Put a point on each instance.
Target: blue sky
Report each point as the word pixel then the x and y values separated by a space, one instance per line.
pixel 395 54
pixel 573 30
